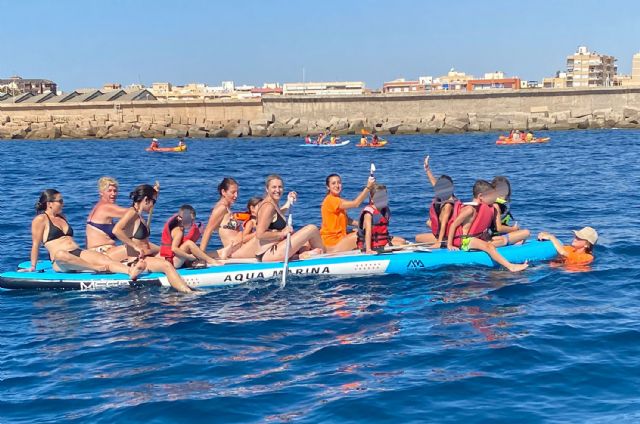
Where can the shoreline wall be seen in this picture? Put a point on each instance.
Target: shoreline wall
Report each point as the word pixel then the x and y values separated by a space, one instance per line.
pixel 497 110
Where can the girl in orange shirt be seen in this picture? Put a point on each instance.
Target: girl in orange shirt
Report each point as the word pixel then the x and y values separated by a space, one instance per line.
pixel 334 215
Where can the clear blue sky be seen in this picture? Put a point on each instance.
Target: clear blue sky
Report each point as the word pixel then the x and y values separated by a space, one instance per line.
pixel 87 43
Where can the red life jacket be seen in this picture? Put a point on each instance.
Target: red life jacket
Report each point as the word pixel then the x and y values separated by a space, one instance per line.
pixel 481 223
pixel 379 228
pixel 166 240
pixel 434 216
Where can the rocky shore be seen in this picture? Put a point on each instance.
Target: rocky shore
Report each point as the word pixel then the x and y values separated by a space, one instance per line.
pixel 118 126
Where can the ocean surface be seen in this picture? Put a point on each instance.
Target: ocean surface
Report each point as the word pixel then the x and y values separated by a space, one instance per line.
pixel 454 345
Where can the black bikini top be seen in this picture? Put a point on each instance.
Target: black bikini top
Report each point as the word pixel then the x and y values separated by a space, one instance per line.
pixel 56 232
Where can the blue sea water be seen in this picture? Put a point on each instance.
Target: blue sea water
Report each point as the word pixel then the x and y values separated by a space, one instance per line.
pixel 453 345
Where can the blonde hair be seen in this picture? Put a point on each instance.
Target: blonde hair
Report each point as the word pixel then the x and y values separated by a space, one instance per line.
pixel 105 182
pixel 271 178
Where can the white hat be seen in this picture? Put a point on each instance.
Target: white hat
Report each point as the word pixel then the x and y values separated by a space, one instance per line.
pixel 588 234
pixel 155 139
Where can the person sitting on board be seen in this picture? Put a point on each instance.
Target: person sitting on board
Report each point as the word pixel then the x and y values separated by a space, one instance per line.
pixel 179 236
pixel 334 215
pixel 332 139
pixel 516 136
pixel 320 138
pixel 373 224
pixel 441 208
pixel 307 139
pixel 154 144
pixel 134 233
pixel 470 223
pixel 228 226
pixel 272 228
pixel 580 252
pixel 50 227
pixel 505 229
pixel 99 229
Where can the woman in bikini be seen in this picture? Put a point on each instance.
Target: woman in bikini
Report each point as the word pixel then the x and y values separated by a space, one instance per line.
pixel 229 228
pixel 134 233
pixel 50 227
pixel 272 228
pixel 100 223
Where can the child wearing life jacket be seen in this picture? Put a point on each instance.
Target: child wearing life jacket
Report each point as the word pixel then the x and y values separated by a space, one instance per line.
pixel 179 236
pixel 441 208
pixel 505 229
pixel 469 226
pixel 580 252
pixel 249 226
pixel 373 224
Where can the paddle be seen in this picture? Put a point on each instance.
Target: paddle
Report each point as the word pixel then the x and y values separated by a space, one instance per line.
pixel 408 246
pixel 372 170
pixel 156 187
pixel 285 266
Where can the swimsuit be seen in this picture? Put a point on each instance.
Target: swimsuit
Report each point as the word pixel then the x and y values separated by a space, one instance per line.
pixel 278 225
pixel 232 223
pixel 56 232
pixel 142 232
pixel 105 228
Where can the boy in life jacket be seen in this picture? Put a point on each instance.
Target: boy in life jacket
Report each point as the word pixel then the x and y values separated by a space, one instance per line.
pixel 373 225
pixel 179 236
pixel 470 223
pixel 505 229
pixel 580 252
pixel 440 210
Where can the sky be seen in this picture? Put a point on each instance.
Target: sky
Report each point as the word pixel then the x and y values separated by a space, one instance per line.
pixel 87 43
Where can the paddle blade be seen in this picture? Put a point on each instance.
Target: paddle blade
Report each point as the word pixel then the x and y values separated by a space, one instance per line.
pixel 364 132
pixel 372 169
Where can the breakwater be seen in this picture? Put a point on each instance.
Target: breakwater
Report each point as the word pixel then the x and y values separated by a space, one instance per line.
pixel 612 107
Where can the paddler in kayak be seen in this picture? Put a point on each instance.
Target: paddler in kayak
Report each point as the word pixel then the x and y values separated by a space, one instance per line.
pixel 374 140
pixel 272 228
pixel 154 144
pixel 334 215
pixel 50 227
pixel 579 252
pixel 99 229
pixel 363 140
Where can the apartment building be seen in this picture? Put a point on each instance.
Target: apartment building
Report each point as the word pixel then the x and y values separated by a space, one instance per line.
pixel 590 69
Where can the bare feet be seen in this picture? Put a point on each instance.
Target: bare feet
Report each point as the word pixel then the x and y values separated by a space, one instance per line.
pixel 136 269
pixel 519 267
pixel 225 252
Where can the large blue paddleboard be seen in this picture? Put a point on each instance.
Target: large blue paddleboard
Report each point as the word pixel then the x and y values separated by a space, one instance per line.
pixel 353 263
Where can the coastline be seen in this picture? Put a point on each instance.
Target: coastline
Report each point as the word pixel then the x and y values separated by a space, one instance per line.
pixel 296 116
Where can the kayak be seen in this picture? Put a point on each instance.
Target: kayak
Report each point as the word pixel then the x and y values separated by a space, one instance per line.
pixel 504 140
pixel 168 149
pixel 348 264
pixel 381 143
pixel 342 143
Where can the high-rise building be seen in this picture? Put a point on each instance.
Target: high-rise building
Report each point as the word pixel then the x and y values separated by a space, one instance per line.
pixel 590 69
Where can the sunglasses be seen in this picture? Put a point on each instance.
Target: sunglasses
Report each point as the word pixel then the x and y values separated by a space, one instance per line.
pixel 61 201
pixel 152 200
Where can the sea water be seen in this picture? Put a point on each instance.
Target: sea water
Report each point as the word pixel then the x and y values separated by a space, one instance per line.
pixel 452 345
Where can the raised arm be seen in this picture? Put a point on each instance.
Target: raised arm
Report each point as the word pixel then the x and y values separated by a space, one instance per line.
pixel 427 169
pixel 350 204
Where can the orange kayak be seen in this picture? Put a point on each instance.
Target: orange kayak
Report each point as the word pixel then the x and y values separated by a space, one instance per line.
pixel 503 140
pixel 381 143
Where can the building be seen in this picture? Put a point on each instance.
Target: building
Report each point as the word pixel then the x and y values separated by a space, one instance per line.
pixel 402 86
pixel 494 81
pixel 335 88
pixel 559 81
pixel 111 86
pixel 160 88
pixel 16 85
pixel 590 69
pixel 453 81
